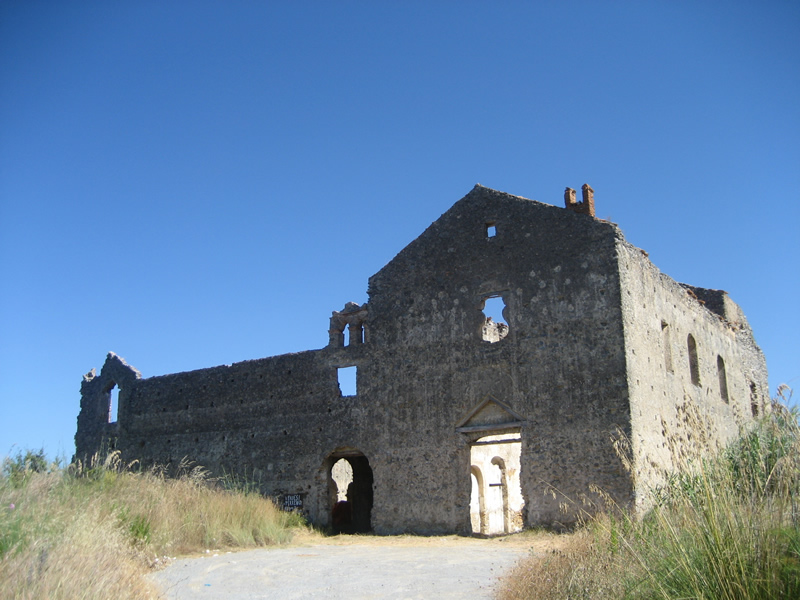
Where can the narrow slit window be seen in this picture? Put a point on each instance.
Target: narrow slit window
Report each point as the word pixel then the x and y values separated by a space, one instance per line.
pixel 667 343
pixel 694 365
pixel 723 380
pixel 113 404
pixel 754 403
pixel 348 377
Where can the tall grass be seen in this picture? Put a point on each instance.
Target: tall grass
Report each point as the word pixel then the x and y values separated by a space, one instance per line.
pixel 724 528
pixel 93 531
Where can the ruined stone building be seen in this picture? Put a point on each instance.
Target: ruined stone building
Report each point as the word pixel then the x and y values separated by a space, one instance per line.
pixel 460 422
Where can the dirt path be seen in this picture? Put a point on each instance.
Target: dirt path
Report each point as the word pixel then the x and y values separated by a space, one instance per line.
pixel 353 567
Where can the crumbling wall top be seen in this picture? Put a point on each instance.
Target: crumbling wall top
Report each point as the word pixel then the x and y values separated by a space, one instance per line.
pixel 352 316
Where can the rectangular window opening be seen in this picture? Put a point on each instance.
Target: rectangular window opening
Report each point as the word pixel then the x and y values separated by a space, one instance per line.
pixel 491 230
pixel 347 380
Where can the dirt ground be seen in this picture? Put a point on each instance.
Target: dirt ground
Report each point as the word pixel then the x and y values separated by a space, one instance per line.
pixel 355 567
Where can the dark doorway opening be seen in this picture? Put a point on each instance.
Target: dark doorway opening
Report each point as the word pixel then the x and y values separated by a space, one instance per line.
pixel 351 507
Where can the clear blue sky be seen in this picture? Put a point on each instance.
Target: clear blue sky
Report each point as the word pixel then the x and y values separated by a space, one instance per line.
pixel 190 184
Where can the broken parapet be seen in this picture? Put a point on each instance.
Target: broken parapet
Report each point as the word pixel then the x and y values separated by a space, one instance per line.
pixel 96 428
pixel 586 207
pixel 719 303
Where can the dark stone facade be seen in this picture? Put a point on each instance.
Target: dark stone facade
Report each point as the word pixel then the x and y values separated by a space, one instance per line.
pixel 564 371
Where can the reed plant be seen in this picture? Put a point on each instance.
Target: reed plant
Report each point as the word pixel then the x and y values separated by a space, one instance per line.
pixel 94 530
pixel 723 528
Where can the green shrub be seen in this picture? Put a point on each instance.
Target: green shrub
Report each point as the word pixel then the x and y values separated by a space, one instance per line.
pixel 21 467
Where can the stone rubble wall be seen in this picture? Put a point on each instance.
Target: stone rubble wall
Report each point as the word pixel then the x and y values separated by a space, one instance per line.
pixel 579 361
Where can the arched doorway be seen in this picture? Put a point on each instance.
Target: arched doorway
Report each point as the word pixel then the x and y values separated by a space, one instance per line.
pixel 349 478
pixel 502 487
pixel 477 502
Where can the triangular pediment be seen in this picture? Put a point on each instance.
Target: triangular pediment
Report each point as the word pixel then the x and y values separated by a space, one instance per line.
pixel 490 415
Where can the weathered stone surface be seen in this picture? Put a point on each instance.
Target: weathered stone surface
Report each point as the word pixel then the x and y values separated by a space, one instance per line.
pixel 581 358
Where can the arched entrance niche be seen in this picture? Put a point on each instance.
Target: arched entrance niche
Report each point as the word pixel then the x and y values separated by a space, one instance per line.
pixel 477 502
pixel 504 516
pixel 349 485
pixel 496 500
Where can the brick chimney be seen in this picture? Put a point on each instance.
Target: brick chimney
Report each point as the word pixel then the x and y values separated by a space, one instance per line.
pixel 586 207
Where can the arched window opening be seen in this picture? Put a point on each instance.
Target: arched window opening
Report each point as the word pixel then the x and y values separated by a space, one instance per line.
pixel 667 343
pixel 723 380
pixel 494 326
pixel 694 365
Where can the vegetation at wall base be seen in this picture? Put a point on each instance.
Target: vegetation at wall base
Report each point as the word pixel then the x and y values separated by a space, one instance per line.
pixel 94 530
pixel 726 528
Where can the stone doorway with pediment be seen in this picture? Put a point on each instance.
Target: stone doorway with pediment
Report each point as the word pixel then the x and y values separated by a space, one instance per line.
pixel 494 432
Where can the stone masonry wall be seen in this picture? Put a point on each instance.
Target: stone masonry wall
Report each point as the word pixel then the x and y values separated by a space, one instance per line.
pixel 577 360
pixel 676 415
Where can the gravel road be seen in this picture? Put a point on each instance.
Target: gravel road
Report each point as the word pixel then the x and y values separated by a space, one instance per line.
pixel 357 568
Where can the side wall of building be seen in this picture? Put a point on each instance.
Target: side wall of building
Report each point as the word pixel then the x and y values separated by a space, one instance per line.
pixel 273 420
pixel 696 375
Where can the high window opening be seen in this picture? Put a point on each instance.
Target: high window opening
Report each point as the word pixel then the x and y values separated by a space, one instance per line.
pixel 694 365
pixel 723 380
pixel 494 326
pixel 491 229
pixel 350 492
pixel 113 404
pixel 348 378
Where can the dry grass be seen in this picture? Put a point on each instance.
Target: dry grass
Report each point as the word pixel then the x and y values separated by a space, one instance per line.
pixel 582 566
pixel 94 531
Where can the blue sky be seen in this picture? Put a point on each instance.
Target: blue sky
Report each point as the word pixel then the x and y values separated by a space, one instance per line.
pixel 190 184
